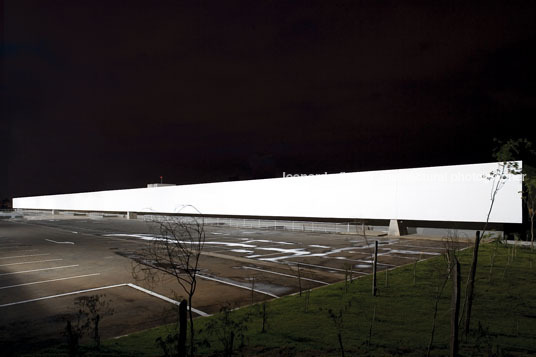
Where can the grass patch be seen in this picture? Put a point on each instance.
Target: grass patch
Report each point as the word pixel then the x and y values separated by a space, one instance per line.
pixel 397 321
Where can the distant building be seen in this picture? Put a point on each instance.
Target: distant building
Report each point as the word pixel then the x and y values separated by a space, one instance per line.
pixel 152 185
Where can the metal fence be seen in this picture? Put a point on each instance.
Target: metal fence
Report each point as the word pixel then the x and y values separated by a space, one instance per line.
pixel 275 224
pixel 9 214
pixel 305 226
pixel 50 213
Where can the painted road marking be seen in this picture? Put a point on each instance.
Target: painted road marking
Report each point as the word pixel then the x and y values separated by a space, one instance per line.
pixel 199 312
pixel 236 285
pixel 327 268
pixel 372 261
pixel 165 298
pixel 366 261
pixel 31 271
pixel 14 246
pixel 399 256
pixel 24 256
pixel 32 262
pixel 23 250
pixel 423 246
pixel 61 295
pixel 48 281
pixel 290 276
pixel 53 241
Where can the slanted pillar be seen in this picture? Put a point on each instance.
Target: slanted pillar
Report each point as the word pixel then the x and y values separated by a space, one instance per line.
pixel 132 215
pixel 397 228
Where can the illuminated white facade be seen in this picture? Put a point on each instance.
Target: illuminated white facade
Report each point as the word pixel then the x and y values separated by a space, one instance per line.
pixel 458 193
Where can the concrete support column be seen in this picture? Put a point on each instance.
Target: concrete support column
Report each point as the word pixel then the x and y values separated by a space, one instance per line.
pixel 397 228
pixel 132 215
pixel 55 212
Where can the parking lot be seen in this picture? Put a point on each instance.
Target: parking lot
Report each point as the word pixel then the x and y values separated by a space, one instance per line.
pixel 48 261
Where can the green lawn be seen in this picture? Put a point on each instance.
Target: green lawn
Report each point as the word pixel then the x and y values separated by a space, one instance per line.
pixel 503 322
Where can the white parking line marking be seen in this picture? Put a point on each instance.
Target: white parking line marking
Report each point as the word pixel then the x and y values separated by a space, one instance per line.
pixel 23 250
pixel 31 271
pixel 371 261
pixel 53 241
pixel 409 252
pixel 397 256
pixel 199 312
pixel 47 281
pixel 290 276
pixel 328 268
pixel 31 262
pixel 13 246
pixel 420 246
pixel 165 298
pixel 236 285
pixel 24 256
pixel 61 295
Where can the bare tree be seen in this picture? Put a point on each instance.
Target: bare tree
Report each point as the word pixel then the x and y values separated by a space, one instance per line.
pixel 454 305
pixel 514 149
pixel 227 327
pixel 506 166
pixel 298 276
pixel 440 287
pixel 174 252
pixel 337 319
pixel 95 308
pixel 529 196
pixel 443 275
pixel 90 310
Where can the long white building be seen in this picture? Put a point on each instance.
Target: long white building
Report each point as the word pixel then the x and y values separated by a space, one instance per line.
pixel 460 193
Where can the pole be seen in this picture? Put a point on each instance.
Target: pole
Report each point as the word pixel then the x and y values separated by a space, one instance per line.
pixel 455 307
pixel 374 264
pixel 182 328
pixel 471 286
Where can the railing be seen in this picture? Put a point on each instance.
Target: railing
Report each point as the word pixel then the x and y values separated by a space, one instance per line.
pixel 9 213
pixel 278 224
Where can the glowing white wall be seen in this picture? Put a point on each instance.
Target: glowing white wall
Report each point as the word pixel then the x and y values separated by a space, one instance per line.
pixel 447 193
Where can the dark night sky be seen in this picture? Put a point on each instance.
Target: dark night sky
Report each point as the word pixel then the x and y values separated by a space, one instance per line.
pixel 112 94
